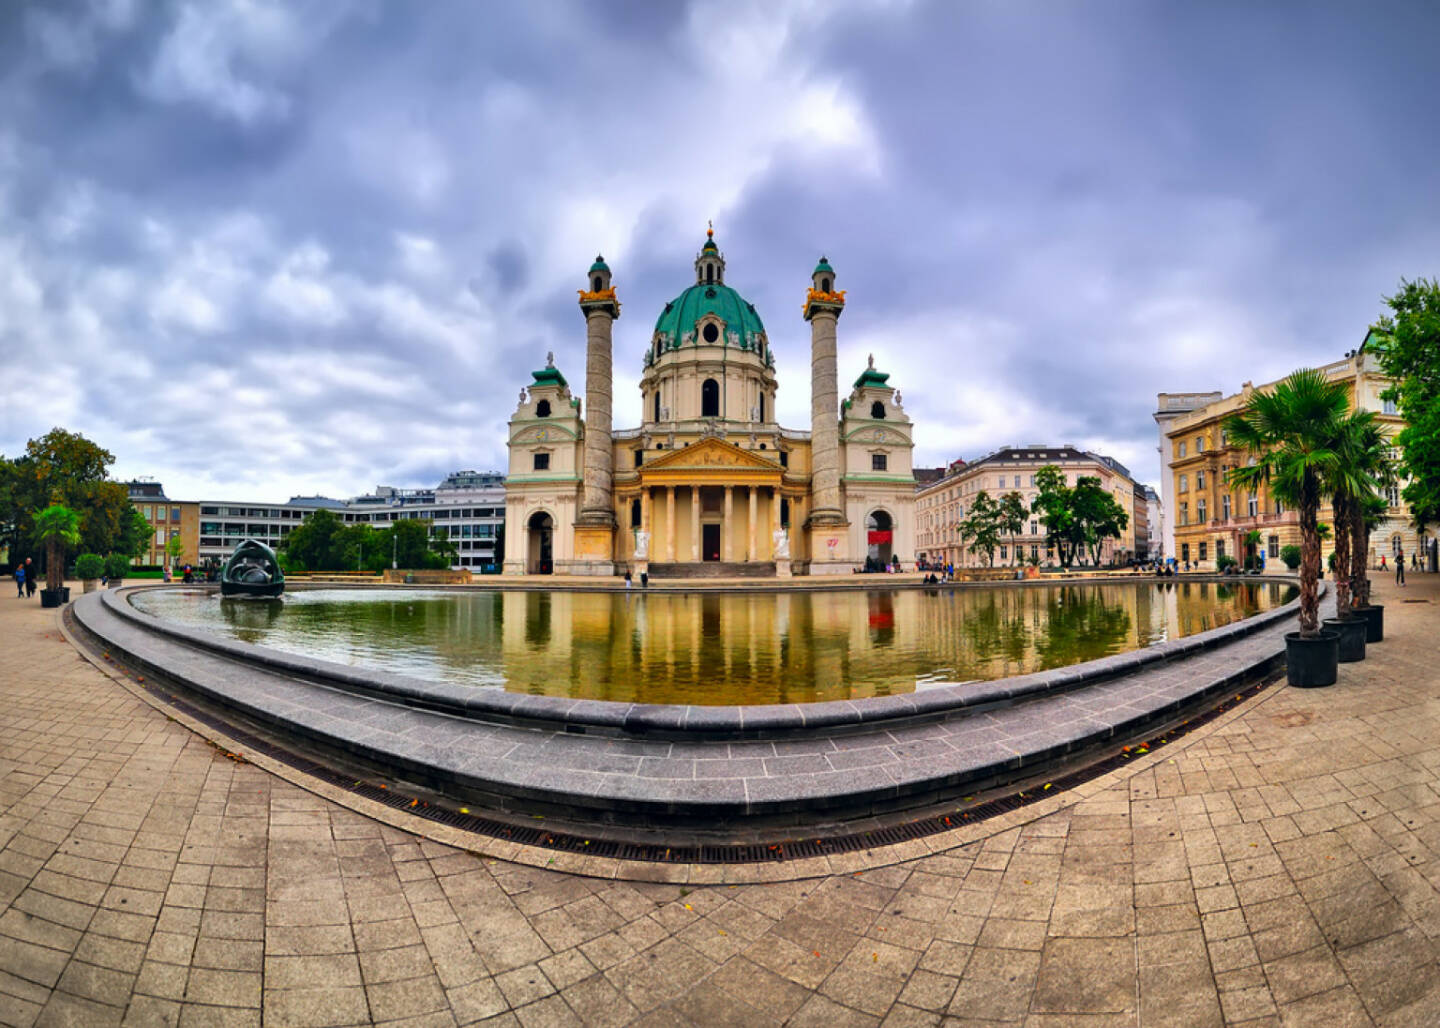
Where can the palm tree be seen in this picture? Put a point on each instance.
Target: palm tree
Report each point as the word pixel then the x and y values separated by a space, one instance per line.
pixel 58 528
pixel 1354 480
pixel 1292 433
pixel 1367 453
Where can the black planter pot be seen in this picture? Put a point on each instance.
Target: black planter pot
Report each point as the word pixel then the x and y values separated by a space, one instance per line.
pixel 1374 621
pixel 52 597
pixel 1352 631
pixel 1311 662
pixel 64 594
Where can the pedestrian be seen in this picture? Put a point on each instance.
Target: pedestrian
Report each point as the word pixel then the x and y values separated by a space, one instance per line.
pixel 627 580
pixel 29 577
pixel 20 581
pixel 1382 562
pixel 1399 566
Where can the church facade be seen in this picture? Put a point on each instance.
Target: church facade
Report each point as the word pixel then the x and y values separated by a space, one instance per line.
pixel 710 482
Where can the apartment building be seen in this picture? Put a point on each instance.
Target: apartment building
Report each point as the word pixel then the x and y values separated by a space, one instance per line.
pixel 941 506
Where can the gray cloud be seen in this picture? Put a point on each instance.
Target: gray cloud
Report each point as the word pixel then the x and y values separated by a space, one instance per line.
pixel 263 248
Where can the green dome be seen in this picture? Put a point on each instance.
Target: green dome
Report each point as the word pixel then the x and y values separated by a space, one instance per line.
pixel 824 265
pixel 681 313
pixel 599 264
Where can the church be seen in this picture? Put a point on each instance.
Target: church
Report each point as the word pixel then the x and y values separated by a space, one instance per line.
pixel 709 484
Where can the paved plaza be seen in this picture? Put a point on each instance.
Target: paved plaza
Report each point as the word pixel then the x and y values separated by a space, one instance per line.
pixel 1278 865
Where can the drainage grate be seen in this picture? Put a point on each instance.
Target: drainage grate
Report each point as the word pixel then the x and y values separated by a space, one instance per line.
pixel 742 853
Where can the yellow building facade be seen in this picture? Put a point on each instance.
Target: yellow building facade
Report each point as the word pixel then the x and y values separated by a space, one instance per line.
pixel 1210 520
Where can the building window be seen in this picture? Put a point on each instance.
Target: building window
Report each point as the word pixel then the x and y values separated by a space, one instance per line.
pixel 1184 513
pixel 1184 483
pixel 1004 553
pixel 1392 494
pixel 1273 552
pixel 542 409
pixel 1225 507
pixel 1200 511
pixel 1185 552
pixel 762 407
pixel 877 410
pixel 657 405
pixel 1199 480
pixel 1388 407
pixel 639 457
pixel 1199 446
pixel 1202 551
pixel 784 511
pixel 634 513
pixel 542 462
pixel 1034 528
pixel 1219 549
pixel 1252 505
pixel 710 332
pixel 878 462
pixel 784 458
pixel 710 396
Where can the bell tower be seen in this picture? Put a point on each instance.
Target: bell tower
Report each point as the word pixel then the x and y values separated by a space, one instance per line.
pixel 828 527
pixel 595 524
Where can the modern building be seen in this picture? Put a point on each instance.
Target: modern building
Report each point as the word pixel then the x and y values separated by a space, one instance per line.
pixel 1210 520
pixel 469 507
pixel 1154 533
pixel 226 523
pixel 168 519
pixel 709 477
pixel 940 506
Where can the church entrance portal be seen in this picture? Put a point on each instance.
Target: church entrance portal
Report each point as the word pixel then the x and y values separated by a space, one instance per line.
pixel 879 534
pixel 710 542
pixel 541 560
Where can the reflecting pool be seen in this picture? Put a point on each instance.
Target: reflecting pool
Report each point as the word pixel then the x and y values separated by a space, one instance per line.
pixel 722 648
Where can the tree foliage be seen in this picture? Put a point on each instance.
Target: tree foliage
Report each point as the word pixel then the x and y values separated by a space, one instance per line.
pixel 57 528
pixel 322 542
pixel 1079 519
pixel 983 526
pixel 1012 516
pixel 1407 341
pixel 65 468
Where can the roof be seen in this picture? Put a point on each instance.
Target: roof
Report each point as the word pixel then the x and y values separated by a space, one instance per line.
pixel 549 376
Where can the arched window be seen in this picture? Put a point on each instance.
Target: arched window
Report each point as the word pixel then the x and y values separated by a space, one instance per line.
pixel 877 409
pixel 824 285
pixel 710 398
pixel 542 409
pixel 762 407
pixel 710 332
pixel 657 406
pixel 784 511
pixel 596 283
pixel 634 513
pixel 709 273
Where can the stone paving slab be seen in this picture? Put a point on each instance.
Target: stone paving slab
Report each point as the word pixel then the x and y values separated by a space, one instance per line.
pixel 1278 866
pixel 434 735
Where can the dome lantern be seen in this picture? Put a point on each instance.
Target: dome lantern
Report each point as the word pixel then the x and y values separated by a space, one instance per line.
pixel 710 263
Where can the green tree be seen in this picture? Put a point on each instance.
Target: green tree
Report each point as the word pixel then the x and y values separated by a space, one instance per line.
pixel 1096 516
pixel 1407 341
pixel 1052 503
pixel 413 547
pixel 1291 432
pixel 316 544
pixel 57 528
pixel 133 537
pixel 63 468
pixel 175 549
pixel 1011 517
pixel 983 526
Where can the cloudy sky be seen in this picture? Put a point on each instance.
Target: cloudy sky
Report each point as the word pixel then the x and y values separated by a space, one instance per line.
pixel 259 249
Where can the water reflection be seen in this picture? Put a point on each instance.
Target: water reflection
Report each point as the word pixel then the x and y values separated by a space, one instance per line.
pixel 714 648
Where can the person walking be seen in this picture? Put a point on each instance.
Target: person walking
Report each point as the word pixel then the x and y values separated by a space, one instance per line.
pixel 20 581
pixel 1399 566
pixel 30 576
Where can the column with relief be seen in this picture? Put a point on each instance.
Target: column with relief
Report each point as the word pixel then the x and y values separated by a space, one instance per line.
pixel 595 524
pixel 829 529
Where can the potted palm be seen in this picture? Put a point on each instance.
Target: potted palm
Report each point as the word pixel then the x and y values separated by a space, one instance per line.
pixel 89 568
pixel 1361 448
pixel 1368 450
pixel 57 528
pixel 1292 433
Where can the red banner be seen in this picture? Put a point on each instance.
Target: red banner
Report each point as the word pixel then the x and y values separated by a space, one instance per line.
pixel 880 537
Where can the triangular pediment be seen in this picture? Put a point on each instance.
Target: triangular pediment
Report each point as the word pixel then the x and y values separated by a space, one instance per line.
pixel 711 453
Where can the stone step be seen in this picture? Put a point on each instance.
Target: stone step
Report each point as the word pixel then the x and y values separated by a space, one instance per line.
pixel 715 569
